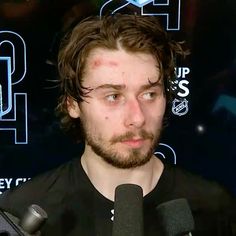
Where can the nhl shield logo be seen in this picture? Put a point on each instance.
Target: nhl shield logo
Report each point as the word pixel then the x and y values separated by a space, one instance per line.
pixel 180 107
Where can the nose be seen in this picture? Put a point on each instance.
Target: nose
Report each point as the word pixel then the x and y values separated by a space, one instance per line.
pixel 134 115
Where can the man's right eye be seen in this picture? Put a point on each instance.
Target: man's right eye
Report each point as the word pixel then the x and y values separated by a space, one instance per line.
pixel 112 97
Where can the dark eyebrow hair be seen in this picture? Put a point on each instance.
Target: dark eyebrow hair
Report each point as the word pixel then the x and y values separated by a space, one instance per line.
pixel 151 85
pixel 114 86
pixel 157 83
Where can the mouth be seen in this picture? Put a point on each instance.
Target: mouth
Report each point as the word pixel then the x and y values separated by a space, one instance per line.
pixel 134 143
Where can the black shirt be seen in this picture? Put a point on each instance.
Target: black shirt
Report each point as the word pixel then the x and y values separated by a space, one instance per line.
pixel 76 208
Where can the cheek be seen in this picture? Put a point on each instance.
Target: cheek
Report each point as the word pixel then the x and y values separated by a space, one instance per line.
pixel 161 108
pixel 157 108
pixel 155 114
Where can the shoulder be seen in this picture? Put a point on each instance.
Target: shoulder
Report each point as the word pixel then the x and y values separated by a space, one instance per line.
pixel 201 192
pixel 212 205
pixel 44 189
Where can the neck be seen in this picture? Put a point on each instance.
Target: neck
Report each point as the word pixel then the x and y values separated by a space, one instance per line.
pixel 106 177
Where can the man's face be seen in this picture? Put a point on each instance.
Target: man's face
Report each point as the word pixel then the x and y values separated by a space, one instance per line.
pixel 122 117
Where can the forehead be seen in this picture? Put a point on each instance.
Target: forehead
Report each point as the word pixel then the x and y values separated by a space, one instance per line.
pixel 120 66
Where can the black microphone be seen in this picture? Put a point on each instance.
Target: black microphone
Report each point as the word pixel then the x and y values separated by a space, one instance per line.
pixel 128 211
pixel 28 225
pixel 175 218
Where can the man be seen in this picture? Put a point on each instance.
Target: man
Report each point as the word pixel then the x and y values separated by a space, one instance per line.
pixel 116 75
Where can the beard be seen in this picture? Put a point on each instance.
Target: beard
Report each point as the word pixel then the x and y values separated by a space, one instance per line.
pixel 133 157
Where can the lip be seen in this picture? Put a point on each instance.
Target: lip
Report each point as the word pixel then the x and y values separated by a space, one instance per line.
pixel 134 143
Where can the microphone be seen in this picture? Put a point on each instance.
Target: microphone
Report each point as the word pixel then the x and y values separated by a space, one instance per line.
pixel 29 225
pixel 33 219
pixel 175 218
pixel 128 211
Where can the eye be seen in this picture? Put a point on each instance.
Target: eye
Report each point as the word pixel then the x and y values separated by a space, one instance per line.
pixel 149 95
pixel 112 97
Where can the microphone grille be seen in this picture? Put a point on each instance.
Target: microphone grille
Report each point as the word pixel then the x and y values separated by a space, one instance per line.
pixel 175 217
pixel 37 210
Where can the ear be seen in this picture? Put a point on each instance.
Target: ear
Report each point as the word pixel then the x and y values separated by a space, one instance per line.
pixel 73 108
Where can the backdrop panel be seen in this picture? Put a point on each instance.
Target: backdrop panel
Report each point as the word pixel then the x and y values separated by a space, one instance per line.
pixel 202 128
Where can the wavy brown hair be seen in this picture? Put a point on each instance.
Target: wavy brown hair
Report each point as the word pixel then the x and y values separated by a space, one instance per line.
pixel 134 33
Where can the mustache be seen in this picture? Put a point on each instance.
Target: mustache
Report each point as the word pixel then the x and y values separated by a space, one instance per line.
pixel 143 134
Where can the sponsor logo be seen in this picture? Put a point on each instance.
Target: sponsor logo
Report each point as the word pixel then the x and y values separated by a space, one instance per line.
pixel 180 88
pixel 180 107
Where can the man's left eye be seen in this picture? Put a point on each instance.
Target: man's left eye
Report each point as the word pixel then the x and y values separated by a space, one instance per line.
pixel 149 95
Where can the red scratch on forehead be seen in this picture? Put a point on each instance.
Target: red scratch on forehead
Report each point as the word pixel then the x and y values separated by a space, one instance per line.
pixel 113 63
pixel 96 63
pixel 101 62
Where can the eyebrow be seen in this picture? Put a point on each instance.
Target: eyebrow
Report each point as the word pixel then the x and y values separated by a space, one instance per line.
pixel 122 86
pixel 108 86
pixel 151 85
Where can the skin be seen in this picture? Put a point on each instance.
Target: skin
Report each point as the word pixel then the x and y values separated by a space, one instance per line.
pixel 122 119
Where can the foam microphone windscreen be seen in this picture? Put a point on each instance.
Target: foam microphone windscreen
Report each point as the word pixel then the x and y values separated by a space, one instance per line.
pixel 128 211
pixel 175 217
